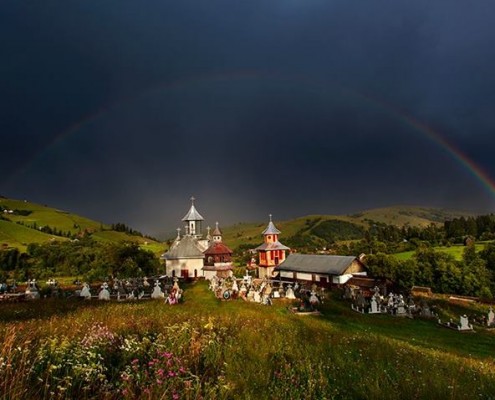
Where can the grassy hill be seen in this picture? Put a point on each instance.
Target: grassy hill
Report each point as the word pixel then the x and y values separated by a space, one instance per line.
pixel 323 226
pixel 24 221
pixel 455 251
pixel 16 229
pixel 206 348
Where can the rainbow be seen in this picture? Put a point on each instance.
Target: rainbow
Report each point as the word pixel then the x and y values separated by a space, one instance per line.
pixel 426 131
pixel 435 137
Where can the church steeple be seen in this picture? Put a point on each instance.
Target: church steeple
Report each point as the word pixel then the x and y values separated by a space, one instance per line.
pixel 271 252
pixel 217 234
pixel 194 220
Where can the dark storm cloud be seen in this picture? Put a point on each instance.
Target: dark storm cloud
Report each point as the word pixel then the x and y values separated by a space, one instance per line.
pixel 287 107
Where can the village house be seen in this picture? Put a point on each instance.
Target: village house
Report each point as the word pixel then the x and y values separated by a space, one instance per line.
pixel 321 269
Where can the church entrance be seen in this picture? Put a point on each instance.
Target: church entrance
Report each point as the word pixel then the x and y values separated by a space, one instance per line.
pixel 184 273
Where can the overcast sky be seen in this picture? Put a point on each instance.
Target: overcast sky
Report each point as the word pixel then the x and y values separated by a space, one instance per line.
pixel 121 110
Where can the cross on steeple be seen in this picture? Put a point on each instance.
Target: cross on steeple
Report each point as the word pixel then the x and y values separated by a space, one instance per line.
pixel 178 233
pixel 270 215
pixel 192 199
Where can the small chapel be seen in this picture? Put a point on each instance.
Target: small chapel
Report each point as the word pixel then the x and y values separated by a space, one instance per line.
pixel 271 253
pixel 192 256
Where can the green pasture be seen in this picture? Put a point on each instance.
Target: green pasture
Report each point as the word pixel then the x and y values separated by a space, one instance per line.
pixel 14 235
pixel 455 251
pixel 207 348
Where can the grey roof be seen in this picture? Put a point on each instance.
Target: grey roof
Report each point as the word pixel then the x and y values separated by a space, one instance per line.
pixel 186 248
pixel 217 231
pixel 270 229
pixel 272 246
pixel 193 215
pixel 319 264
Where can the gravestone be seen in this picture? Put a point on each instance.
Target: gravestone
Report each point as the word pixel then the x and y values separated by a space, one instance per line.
pixel 313 299
pixel 157 291
pixel 290 293
pixel 32 292
pixel 104 293
pixel 491 319
pixel 374 306
pixel 85 293
pixel 464 324
pixel 400 305
pixel 257 297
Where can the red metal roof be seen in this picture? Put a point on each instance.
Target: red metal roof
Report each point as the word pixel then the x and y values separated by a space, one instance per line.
pixel 217 248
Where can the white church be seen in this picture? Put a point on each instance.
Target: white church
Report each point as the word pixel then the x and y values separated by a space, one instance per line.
pixel 192 256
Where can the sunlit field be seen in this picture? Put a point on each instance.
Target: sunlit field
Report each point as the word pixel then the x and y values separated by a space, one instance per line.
pixel 210 349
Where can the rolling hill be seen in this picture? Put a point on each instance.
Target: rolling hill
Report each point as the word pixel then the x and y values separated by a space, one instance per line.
pixel 23 222
pixel 343 227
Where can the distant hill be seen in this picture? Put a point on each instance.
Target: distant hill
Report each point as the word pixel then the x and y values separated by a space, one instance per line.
pixel 340 227
pixel 23 222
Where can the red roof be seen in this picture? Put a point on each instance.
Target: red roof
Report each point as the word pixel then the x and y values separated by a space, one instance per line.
pixel 217 248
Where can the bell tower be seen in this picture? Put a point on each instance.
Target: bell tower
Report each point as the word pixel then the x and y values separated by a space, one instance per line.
pixel 271 252
pixel 193 220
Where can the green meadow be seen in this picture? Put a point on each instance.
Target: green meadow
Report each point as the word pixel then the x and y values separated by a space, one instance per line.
pixel 455 251
pixel 18 230
pixel 209 349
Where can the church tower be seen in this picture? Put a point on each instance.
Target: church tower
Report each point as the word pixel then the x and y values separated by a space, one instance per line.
pixel 193 220
pixel 271 252
pixel 217 234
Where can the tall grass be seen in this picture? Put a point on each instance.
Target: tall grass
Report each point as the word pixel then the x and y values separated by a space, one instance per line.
pixel 209 349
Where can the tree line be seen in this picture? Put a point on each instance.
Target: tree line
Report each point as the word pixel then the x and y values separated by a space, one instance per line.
pixel 471 276
pixel 84 258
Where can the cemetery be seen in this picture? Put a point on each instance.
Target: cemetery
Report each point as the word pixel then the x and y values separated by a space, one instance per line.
pixel 262 335
pixel 227 338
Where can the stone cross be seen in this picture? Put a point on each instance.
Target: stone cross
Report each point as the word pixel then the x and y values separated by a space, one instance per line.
pixel 491 318
pixel 465 326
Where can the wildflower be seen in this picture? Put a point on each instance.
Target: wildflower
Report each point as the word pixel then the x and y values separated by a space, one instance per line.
pixel 135 361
